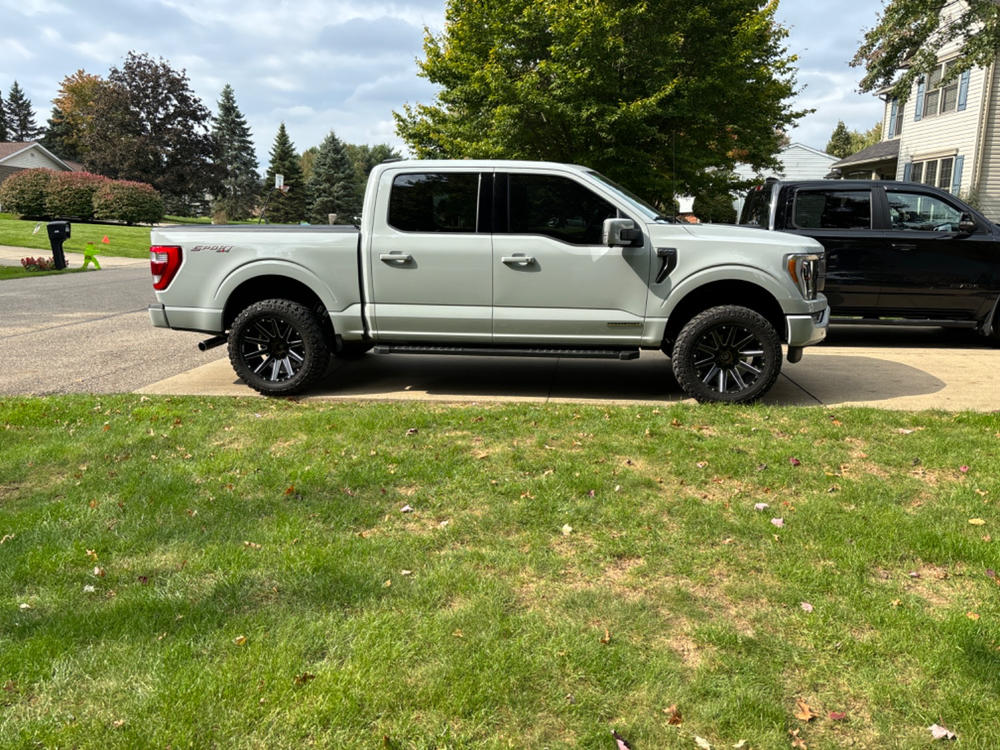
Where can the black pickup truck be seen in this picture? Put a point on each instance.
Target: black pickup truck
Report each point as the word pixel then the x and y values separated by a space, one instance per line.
pixel 897 253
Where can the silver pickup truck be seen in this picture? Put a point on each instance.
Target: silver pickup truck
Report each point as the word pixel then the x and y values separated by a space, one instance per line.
pixel 495 258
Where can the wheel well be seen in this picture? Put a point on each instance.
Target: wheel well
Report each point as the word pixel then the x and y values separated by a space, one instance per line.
pixel 271 287
pixel 725 293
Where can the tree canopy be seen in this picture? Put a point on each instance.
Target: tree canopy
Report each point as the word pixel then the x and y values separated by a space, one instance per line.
pixel 240 184
pixel 20 117
pixel 288 205
pixel 664 97
pixel 332 185
pixel 909 35
pixel 72 114
pixel 148 125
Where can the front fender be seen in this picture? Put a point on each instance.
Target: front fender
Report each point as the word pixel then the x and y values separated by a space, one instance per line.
pixel 783 293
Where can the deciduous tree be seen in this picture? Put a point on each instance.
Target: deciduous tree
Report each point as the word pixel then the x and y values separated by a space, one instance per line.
pixel 288 205
pixel 73 113
pixel 149 126
pixel 908 36
pixel 240 186
pixel 652 94
pixel 365 158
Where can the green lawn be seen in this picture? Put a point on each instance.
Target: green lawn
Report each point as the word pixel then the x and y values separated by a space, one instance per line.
pixel 17 272
pixel 123 242
pixel 250 573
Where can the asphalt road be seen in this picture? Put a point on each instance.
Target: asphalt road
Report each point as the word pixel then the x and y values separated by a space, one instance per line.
pixel 88 333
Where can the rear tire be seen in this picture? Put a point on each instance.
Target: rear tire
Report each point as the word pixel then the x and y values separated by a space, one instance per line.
pixel 277 347
pixel 727 354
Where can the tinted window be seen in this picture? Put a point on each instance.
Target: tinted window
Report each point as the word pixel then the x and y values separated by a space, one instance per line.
pixel 557 207
pixel 442 202
pixel 757 207
pixel 917 212
pixel 833 209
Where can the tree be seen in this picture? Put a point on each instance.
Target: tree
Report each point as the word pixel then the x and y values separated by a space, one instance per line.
pixel 906 42
pixel 333 185
pixel 861 141
pixel 148 125
pixel 307 160
pixel 652 94
pixel 288 205
pixel 21 125
pixel 58 136
pixel 73 113
pixel 240 187
pixel 839 144
pixel 365 158
pixel 3 120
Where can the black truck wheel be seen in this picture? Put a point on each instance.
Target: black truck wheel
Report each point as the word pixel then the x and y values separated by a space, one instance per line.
pixel 277 347
pixel 729 354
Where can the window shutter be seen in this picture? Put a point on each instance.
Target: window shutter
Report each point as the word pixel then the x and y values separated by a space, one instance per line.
pixel 892 118
pixel 956 175
pixel 963 90
pixel 907 171
pixel 918 111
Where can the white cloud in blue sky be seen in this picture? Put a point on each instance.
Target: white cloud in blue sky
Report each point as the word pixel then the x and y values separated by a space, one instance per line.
pixel 345 65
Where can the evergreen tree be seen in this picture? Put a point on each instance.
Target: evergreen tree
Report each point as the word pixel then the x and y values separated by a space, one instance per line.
pixel 289 204
pixel 365 158
pixel 332 187
pixel 58 136
pixel 3 120
pixel 840 141
pixel 240 182
pixel 21 126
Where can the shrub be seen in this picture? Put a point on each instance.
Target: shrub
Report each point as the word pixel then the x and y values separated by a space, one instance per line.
pixel 38 264
pixel 131 202
pixel 71 194
pixel 24 192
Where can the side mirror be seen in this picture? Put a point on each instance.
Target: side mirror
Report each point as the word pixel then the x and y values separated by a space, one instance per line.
pixel 966 224
pixel 620 233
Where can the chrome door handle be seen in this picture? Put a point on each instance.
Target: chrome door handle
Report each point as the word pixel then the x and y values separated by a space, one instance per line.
pixel 903 247
pixel 517 260
pixel 395 257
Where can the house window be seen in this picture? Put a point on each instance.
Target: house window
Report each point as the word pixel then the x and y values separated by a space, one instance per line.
pixel 895 119
pixel 939 99
pixel 934 172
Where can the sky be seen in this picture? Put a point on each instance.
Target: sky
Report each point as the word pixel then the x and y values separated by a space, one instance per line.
pixel 345 65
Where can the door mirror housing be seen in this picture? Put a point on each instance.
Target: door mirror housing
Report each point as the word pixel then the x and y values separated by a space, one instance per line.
pixel 966 224
pixel 621 233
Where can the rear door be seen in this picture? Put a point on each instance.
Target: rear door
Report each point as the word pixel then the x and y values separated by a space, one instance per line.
pixel 554 281
pixel 431 258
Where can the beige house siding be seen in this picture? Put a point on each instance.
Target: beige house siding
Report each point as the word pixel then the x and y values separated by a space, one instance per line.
pixel 33 158
pixel 987 194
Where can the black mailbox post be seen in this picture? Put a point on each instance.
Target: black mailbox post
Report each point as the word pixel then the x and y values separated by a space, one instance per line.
pixel 58 233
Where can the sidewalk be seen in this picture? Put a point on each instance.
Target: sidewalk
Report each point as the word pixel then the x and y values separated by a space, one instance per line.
pixel 11 256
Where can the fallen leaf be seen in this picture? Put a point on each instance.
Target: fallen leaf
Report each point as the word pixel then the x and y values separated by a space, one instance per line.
pixel 412 431
pixel 458 633
pixel 896 602
pixel 406 509
pixel 567 530
pixel 761 506
pixel 99 572
pixel 779 522
pixel 702 743
pixel 302 679
pixel 701 464
pixel 904 431
pixel 964 469
pixel 606 639
pixel 939 732
pixel 797 742
pixel 977 521
pixel 24 606
pixel 794 461
pixel 806 607
pixel 620 743
pixel 803 711
pixel 740 745
pixel 92 555
pixel 240 640
pixel 406 573
pixel 837 716
pixel 673 716
pixel 251 545
pixel 290 489
pixel 972 615
pixel 387 584
pixel 118 723
pixel 88 589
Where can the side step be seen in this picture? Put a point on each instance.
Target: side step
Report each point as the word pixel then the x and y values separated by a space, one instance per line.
pixel 917 322
pixel 511 351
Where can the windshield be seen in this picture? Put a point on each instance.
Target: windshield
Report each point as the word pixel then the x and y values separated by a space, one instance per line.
pixel 644 208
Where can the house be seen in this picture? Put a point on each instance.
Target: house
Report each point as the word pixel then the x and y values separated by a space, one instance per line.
pixel 31 155
pixel 942 135
pixel 798 162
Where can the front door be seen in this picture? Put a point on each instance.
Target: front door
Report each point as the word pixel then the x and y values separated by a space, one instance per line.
pixel 553 279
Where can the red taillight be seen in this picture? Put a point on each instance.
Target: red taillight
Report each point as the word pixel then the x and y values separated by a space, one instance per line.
pixel 164 260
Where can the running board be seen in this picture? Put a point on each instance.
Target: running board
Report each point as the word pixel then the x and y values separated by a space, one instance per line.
pixel 904 322
pixel 511 351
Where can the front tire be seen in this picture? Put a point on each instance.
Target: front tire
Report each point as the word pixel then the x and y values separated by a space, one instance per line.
pixel 728 354
pixel 277 347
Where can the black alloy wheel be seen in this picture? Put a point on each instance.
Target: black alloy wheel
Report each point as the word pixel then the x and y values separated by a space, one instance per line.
pixel 277 347
pixel 730 354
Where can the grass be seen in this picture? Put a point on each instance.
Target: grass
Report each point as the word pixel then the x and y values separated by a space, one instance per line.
pixel 17 272
pixel 240 573
pixel 123 241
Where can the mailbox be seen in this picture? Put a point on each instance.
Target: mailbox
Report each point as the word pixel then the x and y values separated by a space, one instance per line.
pixel 59 232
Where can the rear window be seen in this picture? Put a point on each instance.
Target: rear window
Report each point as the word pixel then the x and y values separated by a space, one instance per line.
pixel 757 207
pixel 833 209
pixel 434 202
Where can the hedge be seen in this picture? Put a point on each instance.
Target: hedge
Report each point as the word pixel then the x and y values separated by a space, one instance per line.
pixel 25 192
pixel 131 202
pixel 71 195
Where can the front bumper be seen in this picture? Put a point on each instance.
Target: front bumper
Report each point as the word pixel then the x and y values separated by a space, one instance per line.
pixel 806 330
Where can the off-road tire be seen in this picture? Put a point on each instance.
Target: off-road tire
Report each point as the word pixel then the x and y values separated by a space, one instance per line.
pixel 728 354
pixel 277 347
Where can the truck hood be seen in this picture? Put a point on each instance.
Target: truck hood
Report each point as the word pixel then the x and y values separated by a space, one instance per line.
pixel 661 234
